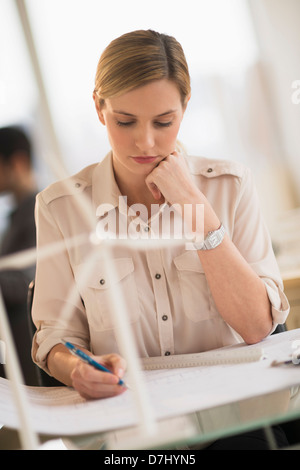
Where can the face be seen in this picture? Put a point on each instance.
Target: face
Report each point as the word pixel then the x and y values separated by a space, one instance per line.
pixel 142 127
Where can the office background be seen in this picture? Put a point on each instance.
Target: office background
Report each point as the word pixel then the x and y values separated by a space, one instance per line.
pixel 245 106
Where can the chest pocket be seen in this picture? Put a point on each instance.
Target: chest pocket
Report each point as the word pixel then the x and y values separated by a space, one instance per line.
pixel 197 301
pixel 99 289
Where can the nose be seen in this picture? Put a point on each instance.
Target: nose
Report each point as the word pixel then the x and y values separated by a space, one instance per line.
pixel 144 139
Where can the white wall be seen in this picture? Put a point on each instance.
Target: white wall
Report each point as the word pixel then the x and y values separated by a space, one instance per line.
pixel 277 24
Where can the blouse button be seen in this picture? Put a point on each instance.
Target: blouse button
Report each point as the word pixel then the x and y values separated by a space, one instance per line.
pixel 157 276
pixel 102 281
pixel 209 170
pixel 77 185
pixel 167 353
pixel 164 317
pixel 146 229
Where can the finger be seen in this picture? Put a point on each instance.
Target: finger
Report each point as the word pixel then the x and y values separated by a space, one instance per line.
pixel 155 191
pixel 97 390
pixel 153 188
pixel 92 383
pixel 115 363
pixel 84 377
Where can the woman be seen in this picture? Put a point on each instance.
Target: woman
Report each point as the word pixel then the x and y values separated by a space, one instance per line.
pixel 178 300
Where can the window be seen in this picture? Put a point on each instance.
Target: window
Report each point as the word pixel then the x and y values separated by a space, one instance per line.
pixel 71 34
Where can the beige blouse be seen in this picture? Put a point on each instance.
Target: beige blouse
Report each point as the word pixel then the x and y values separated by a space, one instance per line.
pixel 167 299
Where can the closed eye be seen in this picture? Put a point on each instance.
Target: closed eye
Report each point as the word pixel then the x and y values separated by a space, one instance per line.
pixel 125 123
pixel 163 124
pixel 156 123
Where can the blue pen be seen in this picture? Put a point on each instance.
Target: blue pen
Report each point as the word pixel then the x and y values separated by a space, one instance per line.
pixel 85 358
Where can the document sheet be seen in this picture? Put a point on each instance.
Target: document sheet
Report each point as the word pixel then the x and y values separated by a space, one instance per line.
pixel 172 392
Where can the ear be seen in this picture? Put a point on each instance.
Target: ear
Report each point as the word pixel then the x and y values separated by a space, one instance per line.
pixel 98 109
pixel 186 102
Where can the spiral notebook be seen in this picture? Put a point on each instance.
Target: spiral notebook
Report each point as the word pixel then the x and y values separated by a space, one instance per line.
pixel 214 357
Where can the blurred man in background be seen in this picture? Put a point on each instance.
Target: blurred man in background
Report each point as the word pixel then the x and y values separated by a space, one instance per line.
pixel 17 178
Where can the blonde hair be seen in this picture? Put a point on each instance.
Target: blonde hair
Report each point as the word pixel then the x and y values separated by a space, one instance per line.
pixel 137 58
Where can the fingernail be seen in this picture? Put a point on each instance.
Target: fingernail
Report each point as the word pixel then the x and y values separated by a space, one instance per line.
pixel 120 372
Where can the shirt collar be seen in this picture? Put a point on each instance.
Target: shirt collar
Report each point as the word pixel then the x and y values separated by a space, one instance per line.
pixel 106 194
pixel 105 191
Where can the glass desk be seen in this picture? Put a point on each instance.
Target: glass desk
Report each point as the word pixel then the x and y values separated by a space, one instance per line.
pixel 233 399
pixel 195 430
pixel 198 429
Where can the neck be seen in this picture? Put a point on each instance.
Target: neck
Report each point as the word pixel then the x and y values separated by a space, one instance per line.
pixel 139 193
pixel 136 191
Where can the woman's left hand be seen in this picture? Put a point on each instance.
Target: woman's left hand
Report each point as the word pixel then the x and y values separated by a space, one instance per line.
pixel 172 180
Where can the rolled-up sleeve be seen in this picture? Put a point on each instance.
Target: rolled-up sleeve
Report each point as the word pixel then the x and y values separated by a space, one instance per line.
pixel 279 302
pixel 57 311
pixel 253 240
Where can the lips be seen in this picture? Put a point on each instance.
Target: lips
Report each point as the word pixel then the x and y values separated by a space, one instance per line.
pixel 143 160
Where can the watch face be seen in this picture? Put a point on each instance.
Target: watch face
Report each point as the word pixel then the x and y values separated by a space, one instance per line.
pixel 214 239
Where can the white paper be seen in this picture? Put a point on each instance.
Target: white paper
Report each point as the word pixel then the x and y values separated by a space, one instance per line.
pixel 172 392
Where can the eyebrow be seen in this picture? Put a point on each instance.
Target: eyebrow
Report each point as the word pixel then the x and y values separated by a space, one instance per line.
pixel 171 111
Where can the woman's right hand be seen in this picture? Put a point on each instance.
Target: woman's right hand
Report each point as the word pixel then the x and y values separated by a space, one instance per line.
pixel 92 383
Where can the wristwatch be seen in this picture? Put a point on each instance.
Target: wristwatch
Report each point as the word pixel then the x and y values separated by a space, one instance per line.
pixel 212 240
